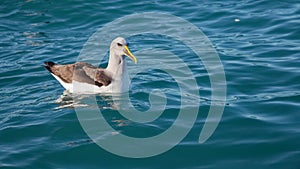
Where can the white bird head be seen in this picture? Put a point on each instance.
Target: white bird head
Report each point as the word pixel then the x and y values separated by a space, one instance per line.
pixel 120 47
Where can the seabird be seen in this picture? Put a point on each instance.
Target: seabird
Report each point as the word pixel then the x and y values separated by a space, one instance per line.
pixel 81 77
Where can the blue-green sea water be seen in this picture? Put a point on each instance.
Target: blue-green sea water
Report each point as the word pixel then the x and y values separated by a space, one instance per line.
pixel 259 46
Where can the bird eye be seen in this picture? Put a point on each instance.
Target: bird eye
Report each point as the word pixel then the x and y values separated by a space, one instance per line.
pixel 119 44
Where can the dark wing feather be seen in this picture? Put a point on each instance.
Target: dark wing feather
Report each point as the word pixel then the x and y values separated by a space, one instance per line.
pixel 98 75
pixel 81 72
pixel 64 72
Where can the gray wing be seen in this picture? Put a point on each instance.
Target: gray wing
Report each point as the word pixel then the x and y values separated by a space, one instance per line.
pixel 98 75
pixel 64 72
pixel 81 72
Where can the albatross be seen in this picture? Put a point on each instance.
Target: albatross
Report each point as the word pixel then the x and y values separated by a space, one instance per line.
pixel 81 77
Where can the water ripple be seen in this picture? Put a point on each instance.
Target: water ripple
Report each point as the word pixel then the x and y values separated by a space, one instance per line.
pixel 258 43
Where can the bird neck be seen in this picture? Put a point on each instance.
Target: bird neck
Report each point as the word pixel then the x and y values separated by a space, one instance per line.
pixel 116 64
pixel 117 67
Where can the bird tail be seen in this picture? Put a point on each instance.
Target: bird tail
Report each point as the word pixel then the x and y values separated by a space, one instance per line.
pixel 48 65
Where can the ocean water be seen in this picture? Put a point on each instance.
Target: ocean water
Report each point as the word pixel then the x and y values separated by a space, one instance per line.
pixel 258 45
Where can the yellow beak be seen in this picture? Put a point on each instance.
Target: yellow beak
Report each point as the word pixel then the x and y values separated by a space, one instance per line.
pixel 130 55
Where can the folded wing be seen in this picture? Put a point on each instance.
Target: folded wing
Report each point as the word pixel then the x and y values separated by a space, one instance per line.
pixel 81 72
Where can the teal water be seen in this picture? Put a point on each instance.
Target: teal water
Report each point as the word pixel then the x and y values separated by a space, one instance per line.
pixel 258 44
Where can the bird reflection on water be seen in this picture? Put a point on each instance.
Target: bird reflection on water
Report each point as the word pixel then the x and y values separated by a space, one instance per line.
pixel 101 101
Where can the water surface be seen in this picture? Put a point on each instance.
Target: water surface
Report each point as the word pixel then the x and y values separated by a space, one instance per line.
pixel 258 44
